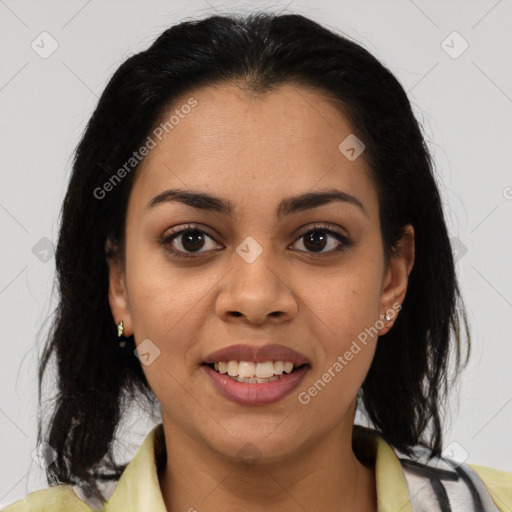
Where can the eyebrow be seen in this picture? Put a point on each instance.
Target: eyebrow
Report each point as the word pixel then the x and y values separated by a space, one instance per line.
pixel 287 206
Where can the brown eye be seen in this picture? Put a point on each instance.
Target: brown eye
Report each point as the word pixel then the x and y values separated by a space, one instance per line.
pixel 317 239
pixel 191 240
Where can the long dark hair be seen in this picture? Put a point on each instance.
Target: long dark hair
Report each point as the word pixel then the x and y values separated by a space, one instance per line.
pixel 406 386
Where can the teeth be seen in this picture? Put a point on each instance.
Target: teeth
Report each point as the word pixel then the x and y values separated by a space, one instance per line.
pixel 256 380
pixel 288 367
pixel 270 379
pixel 232 368
pixel 265 370
pixel 247 370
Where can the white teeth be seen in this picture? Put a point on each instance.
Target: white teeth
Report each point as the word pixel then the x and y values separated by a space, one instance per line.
pixel 232 368
pixel 288 367
pixel 248 370
pixel 270 379
pixel 265 370
pixel 278 366
pixel 256 380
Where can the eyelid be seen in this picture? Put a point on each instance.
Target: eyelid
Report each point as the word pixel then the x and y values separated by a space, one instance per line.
pixel 182 228
pixel 326 226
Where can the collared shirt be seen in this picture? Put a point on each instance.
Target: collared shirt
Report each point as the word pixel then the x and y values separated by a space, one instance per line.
pixel 138 489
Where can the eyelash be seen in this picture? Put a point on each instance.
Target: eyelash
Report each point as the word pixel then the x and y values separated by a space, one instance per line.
pixel 344 241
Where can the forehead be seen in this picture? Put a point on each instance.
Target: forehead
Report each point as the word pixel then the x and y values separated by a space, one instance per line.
pixel 236 143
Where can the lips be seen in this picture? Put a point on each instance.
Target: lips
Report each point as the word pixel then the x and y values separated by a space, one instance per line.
pixel 259 393
pixel 256 354
pixel 256 394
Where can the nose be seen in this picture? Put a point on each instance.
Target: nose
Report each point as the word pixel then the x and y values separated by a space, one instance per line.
pixel 256 292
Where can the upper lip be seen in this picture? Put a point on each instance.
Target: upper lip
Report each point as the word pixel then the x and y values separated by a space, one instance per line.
pixel 257 353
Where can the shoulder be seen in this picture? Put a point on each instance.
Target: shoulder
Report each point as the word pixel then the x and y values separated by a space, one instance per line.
pixel 58 498
pixel 444 480
pixel 498 483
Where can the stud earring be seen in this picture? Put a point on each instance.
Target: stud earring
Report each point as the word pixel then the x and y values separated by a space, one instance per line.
pixel 120 329
pixel 387 317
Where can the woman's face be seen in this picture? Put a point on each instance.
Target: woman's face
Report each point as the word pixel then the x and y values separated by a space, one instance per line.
pixel 256 275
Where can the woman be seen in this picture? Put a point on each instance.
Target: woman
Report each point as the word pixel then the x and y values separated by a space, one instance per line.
pixel 253 240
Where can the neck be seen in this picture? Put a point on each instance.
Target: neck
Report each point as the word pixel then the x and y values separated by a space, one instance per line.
pixel 326 475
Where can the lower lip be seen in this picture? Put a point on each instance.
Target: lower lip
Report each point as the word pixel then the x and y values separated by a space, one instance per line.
pixel 256 394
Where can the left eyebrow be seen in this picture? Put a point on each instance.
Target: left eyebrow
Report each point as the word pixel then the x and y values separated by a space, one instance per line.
pixel 287 206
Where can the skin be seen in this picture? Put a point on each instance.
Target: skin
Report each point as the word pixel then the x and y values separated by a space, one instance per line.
pixel 256 151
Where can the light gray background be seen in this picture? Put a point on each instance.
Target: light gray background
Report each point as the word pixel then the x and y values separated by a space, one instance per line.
pixel 464 104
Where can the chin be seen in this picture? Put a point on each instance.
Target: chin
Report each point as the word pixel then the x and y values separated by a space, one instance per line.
pixel 253 444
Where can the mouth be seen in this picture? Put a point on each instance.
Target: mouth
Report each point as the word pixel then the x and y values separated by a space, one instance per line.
pixel 255 374
pixel 253 390
pixel 249 372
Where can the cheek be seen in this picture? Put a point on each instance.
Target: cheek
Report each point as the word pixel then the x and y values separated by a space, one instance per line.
pixel 169 305
pixel 344 314
pixel 163 296
pixel 345 301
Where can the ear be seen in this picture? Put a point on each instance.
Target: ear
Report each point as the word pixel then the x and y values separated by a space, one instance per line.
pixel 396 278
pixel 117 293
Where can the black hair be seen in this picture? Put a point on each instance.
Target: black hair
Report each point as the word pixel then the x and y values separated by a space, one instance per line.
pixel 404 390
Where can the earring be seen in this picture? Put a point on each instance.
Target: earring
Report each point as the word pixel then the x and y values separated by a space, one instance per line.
pixel 120 330
pixel 387 317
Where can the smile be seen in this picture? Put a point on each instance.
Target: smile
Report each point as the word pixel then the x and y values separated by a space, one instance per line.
pixel 249 383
